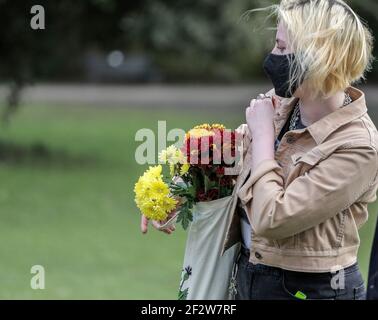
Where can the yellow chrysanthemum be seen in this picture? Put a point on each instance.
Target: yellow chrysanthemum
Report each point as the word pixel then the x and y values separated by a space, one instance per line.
pixel 209 127
pixel 152 195
pixel 199 132
pixel 205 126
pixel 172 155
pixel 218 126
pixel 153 173
pixel 204 130
pixel 184 168
pixel 172 169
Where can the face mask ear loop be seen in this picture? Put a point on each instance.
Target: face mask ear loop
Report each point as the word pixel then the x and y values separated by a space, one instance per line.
pixel 292 66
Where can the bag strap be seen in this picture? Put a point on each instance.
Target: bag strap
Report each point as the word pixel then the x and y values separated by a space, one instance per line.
pixel 233 288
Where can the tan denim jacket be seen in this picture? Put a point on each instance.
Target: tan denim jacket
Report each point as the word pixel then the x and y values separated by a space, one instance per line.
pixel 306 206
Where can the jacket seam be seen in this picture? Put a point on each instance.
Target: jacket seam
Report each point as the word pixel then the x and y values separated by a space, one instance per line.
pixel 369 185
pixel 307 268
pixel 367 129
pixel 351 145
pixel 341 232
pixel 304 253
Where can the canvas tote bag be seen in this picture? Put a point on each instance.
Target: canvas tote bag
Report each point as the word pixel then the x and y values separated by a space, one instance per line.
pixel 205 273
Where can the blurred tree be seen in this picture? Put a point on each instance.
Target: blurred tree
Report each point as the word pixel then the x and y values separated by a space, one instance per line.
pixel 210 39
pixel 206 40
pixel 56 52
pixel 368 11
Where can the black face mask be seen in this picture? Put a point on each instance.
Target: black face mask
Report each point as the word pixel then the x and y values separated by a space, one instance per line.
pixel 277 68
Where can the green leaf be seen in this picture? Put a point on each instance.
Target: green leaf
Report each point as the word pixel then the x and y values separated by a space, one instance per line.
pixel 185 215
pixel 192 191
pixel 183 294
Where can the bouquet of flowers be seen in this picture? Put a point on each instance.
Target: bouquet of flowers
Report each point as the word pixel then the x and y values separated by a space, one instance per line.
pixel 196 172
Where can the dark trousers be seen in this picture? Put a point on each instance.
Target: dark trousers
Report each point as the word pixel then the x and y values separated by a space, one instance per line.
pixel 261 282
pixel 372 292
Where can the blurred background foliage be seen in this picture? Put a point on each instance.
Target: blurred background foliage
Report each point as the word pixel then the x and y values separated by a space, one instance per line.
pixel 159 40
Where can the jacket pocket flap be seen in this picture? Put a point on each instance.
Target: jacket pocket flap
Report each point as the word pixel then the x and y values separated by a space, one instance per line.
pixel 311 158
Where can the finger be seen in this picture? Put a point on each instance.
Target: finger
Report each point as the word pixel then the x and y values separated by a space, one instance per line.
pixel 173 213
pixel 144 224
pixel 167 231
pixel 261 96
pixel 249 110
pixel 156 224
pixel 252 103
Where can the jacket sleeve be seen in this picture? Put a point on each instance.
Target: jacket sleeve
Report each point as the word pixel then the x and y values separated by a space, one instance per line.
pixel 327 189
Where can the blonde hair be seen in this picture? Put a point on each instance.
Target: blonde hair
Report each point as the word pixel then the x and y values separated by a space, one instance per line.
pixel 332 46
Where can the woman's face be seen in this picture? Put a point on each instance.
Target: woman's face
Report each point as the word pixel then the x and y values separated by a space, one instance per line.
pixel 282 46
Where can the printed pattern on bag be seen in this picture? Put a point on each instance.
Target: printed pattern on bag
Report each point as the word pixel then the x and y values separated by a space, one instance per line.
pixel 183 294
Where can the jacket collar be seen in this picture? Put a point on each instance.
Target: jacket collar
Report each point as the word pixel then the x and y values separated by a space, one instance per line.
pixel 321 129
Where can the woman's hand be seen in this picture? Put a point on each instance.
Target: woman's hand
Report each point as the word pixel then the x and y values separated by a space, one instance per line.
pixel 156 224
pixel 260 123
pixel 260 115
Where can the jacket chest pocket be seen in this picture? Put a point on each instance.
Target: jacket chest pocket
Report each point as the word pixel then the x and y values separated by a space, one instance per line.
pixel 300 163
pixel 304 162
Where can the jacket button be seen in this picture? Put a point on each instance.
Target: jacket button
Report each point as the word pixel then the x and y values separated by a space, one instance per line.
pixel 258 255
pixel 290 139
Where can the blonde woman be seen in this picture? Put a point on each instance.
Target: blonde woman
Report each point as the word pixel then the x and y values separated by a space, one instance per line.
pixel 311 166
pixel 313 163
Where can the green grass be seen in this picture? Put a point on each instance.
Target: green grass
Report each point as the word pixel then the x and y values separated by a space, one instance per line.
pixel 72 211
